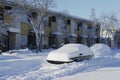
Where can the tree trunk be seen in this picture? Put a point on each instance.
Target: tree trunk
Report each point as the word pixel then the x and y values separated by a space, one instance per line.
pixel 37 44
pixel 40 45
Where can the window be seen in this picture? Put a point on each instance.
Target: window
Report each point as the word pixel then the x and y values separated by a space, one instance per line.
pixel 53 19
pixel 68 22
pixel 1 17
pixel 89 27
pixel 31 40
pixel 32 15
pixel 1 13
pixel 8 8
pixel 79 25
pixel 1 9
pixel 49 21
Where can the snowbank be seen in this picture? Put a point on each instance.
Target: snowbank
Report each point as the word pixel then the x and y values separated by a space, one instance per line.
pixel 7 57
pixel 101 74
pixel 101 50
pixel 117 55
pixel 22 66
pixel 20 51
pixel 69 51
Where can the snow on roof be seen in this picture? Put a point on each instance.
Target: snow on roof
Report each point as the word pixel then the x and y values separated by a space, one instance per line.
pixel 74 35
pixel 40 32
pixel 54 12
pixel 16 30
pixel 69 51
pixel 101 50
pixel 68 15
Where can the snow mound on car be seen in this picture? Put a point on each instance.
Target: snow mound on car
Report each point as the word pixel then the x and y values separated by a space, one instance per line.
pixel 101 50
pixel 69 51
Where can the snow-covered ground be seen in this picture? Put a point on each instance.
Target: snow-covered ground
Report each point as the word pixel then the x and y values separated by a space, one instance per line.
pixel 27 65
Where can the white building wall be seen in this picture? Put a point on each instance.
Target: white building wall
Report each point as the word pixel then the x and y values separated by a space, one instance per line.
pixel 84 30
pixel 73 25
pixel 17 24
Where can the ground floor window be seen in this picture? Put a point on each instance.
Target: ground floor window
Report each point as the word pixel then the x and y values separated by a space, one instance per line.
pixel 84 41
pixel 72 39
pixel 31 40
pixel 56 41
pixel 91 41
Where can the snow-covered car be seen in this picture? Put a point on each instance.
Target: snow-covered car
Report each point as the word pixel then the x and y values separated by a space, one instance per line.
pixel 70 53
pixel 101 50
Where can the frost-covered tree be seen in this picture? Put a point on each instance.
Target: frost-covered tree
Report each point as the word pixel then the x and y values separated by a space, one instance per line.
pixel 36 11
pixel 109 24
pixel 93 15
pixel 3 35
pixel 95 26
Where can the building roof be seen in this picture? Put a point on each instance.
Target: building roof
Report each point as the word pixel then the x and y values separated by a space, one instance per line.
pixel 52 12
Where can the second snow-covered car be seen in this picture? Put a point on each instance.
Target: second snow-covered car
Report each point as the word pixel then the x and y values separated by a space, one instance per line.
pixel 70 53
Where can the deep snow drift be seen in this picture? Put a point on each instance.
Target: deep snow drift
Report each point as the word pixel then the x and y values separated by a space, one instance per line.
pixel 27 65
pixel 109 73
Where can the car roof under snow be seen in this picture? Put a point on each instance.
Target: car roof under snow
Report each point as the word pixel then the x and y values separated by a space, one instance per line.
pixel 72 48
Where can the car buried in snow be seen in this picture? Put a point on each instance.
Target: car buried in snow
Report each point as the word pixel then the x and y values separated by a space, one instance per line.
pixel 69 53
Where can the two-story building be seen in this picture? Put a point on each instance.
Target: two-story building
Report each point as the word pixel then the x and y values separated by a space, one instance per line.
pixel 59 29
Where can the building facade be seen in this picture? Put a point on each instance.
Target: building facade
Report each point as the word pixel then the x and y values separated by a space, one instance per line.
pixel 59 29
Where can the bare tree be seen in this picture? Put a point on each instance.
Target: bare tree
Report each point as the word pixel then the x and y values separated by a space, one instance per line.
pixel 109 24
pixel 95 28
pixel 93 14
pixel 36 9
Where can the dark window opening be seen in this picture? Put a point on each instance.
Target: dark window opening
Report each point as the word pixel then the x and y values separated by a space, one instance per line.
pixel 1 18
pixel 89 27
pixel 68 22
pixel 32 15
pixel 79 39
pixel 8 8
pixel 97 40
pixel 1 13
pixel 1 9
pixel 28 20
pixel 53 19
pixel 31 40
pixel 78 26
pixel 49 21
pixel 51 40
